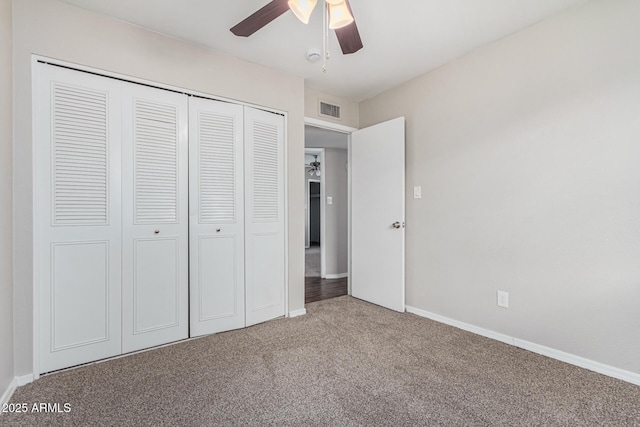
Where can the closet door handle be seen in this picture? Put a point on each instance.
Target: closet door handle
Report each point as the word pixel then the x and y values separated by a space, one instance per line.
pixel 157 232
pixel 218 230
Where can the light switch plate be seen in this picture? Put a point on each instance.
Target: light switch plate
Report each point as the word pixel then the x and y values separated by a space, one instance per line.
pixel 329 200
pixel 417 192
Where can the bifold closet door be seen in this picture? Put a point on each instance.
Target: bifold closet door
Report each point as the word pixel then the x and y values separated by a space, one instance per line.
pixel 264 223
pixel 155 223
pixel 77 216
pixel 154 212
pixel 216 216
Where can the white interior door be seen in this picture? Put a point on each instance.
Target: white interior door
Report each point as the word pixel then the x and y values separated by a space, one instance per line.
pixel 216 216
pixel 77 211
pixel 377 209
pixel 264 222
pixel 155 247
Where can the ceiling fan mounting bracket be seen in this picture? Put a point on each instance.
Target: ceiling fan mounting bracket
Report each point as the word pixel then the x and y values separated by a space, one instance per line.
pixel 313 55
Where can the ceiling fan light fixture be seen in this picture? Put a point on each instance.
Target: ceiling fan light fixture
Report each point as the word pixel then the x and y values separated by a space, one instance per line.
pixel 302 9
pixel 339 15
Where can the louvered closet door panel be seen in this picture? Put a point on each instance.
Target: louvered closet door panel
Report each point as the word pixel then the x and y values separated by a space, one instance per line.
pixel 216 216
pixel 155 217
pixel 264 225
pixel 77 215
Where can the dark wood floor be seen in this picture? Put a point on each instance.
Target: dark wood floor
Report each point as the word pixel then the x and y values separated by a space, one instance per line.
pixel 318 289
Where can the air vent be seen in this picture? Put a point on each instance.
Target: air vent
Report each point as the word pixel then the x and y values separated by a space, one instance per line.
pixel 329 110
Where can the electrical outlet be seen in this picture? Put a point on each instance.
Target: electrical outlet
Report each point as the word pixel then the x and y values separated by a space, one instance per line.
pixel 503 299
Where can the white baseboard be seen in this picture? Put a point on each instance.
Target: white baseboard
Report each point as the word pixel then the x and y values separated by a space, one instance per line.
pixel 336 276
pixel 461 325
pixel 13 385
pixel 6 396
pixel 299 312
pixel 24 379
pixel 572 359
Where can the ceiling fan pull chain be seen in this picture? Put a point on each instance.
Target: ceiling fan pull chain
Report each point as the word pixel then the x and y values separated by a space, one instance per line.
pixel 325 37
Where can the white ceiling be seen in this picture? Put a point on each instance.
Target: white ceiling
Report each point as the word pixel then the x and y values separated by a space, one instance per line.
pixel 402 38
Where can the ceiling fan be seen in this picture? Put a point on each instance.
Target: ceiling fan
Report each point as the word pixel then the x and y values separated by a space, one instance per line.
pixel 339 13
pixel 314 167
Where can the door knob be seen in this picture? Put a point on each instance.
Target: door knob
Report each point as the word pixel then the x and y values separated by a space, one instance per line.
pixel 217 230
pixel 157 231
pixel 396 224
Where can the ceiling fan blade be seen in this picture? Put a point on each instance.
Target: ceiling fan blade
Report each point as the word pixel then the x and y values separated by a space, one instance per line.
pixel 260 18
pixel 349 36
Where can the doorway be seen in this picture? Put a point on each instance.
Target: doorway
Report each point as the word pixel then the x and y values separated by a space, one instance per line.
pixel 371 239
pixel 326 214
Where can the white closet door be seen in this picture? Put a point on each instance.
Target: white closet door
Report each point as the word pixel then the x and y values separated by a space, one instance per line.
pixel 155 247
pixel 77 213
pixel 264 224
pixel 216 216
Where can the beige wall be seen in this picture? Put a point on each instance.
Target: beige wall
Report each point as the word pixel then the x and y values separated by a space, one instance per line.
pixel 337 214
pixel 61 31
pixel 528 154
pixel 6 202
pixel 349 110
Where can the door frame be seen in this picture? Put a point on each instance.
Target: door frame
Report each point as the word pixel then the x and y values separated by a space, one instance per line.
pixel 336 127
pixel 38 61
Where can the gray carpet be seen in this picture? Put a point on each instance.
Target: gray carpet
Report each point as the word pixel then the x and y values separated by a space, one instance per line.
pixel 312 261
pixel 345 363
